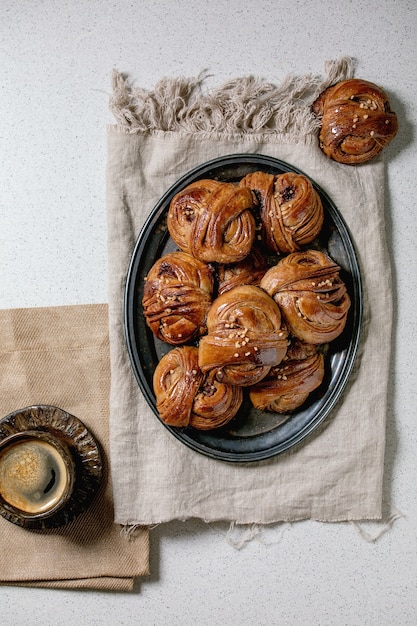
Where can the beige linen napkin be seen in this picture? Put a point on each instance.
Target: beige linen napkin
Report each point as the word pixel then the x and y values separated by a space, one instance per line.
pixel 60 356
pixel 336 474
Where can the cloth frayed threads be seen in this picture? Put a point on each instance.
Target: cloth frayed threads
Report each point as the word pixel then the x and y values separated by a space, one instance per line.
pixel 238 536
pixel 386 525
pixel 129 532
pixel 241 106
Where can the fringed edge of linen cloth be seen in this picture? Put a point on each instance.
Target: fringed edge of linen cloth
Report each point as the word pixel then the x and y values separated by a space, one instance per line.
pixel 381 528
pixel 239 535
pixel 241 106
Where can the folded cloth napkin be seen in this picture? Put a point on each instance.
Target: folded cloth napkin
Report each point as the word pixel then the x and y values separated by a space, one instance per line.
pixel 159 136
pixel 60 356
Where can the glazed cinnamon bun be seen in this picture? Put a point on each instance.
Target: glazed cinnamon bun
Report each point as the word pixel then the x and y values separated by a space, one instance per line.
pixel 311 295
pixel 213 221
pixel 289 384
pixel 245 336
pixel 246 272
pixel 356 121
pixel 215 403
pixel 291 210
pixel 176 380
pixel 187 397
pixel 176 298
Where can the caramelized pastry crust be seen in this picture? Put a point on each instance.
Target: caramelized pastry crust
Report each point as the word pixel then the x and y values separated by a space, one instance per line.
pixel 187 397
pixel 177 296
pixel 246 336
pixel 215 403
pixel 311 295
pixel 176 380
pixel 356 121
pixel 291 210
pixel 247 272
pixel 288 385
pixel 213 221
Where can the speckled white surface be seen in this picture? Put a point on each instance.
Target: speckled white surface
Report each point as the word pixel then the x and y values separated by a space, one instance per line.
pixel 56 60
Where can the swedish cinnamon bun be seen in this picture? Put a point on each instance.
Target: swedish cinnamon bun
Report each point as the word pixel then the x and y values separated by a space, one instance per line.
pixel 187 397
pixel 356 121
pixel 289 384
pixel 247 272
pixel 311 295
pixel 213 221
pixel 291 210
pixel 245 336
pixel 176 298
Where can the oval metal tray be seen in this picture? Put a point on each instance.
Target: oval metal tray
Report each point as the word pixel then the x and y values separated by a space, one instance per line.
pixel 252 435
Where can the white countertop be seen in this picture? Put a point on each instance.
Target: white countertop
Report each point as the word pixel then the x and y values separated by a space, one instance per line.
pixel 56 60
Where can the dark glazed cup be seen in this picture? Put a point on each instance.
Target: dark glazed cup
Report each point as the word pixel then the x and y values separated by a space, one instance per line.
pixel 37 475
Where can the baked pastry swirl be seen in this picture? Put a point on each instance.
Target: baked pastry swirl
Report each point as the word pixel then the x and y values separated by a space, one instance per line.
pixel 213 221
pixel 176 298
pixel 288 385
pixel 311 295
pixel 246 336
pixel 356 121
pixel 291 210
pixel 187 397
pixel 215 403
pixel 247 272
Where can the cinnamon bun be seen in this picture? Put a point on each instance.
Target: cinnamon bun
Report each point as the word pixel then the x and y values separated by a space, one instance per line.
pixel 245 336
pixel 291 210
pixel 176 298
pixel 356 121
pixel 289 384
pixel 247 272
pixel 176 380
pixel 215 404
pixel 213 221
pixel 187 397
pixel 311 295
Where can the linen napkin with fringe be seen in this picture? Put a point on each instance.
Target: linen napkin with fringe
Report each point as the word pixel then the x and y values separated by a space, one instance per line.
pixel 159 135
pixel 60 356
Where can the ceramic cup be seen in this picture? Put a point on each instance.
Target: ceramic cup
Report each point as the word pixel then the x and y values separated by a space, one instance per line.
pixel 37 474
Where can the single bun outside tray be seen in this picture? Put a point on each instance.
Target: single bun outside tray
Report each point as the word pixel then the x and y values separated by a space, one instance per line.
pixel 357 122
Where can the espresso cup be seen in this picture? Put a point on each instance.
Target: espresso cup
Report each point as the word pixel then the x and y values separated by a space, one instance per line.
pixel 37 474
